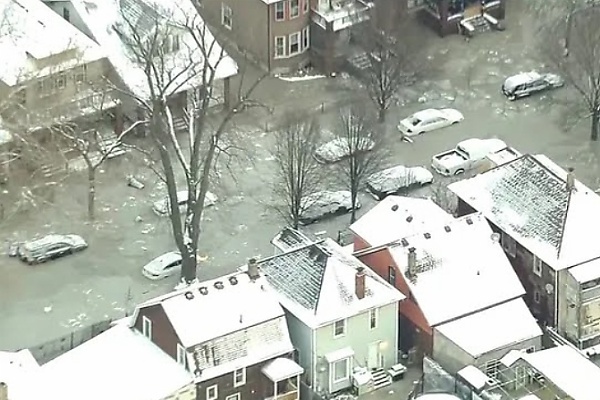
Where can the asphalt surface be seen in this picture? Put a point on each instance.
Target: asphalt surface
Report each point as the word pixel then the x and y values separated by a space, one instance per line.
pixel 42 302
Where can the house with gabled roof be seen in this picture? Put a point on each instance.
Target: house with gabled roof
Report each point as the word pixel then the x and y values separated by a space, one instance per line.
pixel 342 317
pixel 549 223
pixel 230 333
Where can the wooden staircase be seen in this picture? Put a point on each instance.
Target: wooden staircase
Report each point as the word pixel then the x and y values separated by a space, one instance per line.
pixel 381 378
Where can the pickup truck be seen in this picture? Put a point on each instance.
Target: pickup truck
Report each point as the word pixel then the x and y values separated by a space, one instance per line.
pixel 467 155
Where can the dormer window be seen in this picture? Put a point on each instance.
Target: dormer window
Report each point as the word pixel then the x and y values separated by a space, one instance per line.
pixel 171 44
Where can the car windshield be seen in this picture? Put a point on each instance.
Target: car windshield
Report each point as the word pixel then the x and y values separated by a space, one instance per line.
pixel 462 150
pixel 414 121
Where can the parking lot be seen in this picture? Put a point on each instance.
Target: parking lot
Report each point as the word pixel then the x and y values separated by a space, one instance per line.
pixel 41 302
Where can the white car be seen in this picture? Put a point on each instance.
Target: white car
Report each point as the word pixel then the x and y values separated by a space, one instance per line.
pixel 161 207
pixel 397 179
pixel 429 120
pixel 467 155
pixel 338 149
pixel 163 266
pixel 321 205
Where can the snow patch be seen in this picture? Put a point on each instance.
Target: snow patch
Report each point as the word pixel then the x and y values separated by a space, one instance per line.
pixel 300 78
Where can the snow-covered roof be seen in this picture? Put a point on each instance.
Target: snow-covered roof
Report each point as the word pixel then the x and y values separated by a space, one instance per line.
pixel 289 238
pixel 316 283
pixel 396 217
pixel 31 33
pixel 587 271
pixel 492 329
pixel 109 23
pixel 281 368
pixel 16 368
pixel 568 370
pixel 460 269
pixel 529 200
pixel 119 364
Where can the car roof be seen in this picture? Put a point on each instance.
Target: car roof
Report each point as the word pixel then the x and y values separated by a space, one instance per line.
pixel 428 113
pixel 521 78
pixel 48 239
pixel 166 258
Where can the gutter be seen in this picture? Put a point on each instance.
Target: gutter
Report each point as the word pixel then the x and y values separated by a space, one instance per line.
pixel 269 52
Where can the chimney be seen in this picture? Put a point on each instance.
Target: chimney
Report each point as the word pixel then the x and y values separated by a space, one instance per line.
pixel 360 283
pixel 253 269
pixel 412 261
pixel 570 179
pixel 3 391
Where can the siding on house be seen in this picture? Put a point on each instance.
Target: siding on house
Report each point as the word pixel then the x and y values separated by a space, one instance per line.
pixel 302 339
pixel 163 333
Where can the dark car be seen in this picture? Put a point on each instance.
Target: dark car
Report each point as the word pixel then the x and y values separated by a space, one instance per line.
pixel 50 247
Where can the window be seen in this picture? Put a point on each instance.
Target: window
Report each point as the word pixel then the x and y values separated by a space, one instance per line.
pixel 81 75
pixel 341 370
pixel 279 46
pixel 212 392
pixel 339 328
pixel 181 355
pixel 280 11
pixel 294 8
pixel 373 317
pixel 233 397
pixel 392 275
pixel 305 4
pixel 537 266
pixel 530 350
pixel 226 16
pixel 536 296
pixel 171 44
pixel 305 38
pixel 509 245
pixel 21 97
pixel 146 327
pixel 61 81
pixel 239 377
pixel 294 44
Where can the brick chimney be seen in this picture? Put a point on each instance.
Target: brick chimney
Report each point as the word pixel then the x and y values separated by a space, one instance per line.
pixel 412 262
pixel 253 269
pixel 570 179
pixel 359 283
pixel 3 391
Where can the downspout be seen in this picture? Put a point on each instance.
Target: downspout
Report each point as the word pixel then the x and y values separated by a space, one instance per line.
pixel 269 44
pixel 555 294
pixel 314 360
pixel 397 341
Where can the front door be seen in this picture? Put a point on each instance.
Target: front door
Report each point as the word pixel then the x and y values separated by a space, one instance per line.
pixel 374 359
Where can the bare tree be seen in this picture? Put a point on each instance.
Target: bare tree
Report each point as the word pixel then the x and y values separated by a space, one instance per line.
pixel 581 70
pixel 298 172
pixel 366 150
pixel 196 66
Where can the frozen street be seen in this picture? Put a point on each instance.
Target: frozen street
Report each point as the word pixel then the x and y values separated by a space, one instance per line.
pixel 42 302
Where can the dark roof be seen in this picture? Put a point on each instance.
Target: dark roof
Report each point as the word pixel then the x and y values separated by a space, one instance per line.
pixel 139 15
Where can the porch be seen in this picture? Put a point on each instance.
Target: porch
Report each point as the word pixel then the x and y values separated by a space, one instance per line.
pixel 284 374
pixel 445 16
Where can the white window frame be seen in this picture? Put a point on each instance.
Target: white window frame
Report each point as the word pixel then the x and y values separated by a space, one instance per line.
pixel 509 245
pixel 538 266
pixel 373 317
pixel 147 327
pixel 215 395
pixel 305 38
pixel 343 323
pixel 226 10
pixel 305 5
pixel 298 40
pixel 235 396
pixel 284 47
pixel 347 374
pixel 292 16
pixel 282 5
pixel 242 380
pixel 181 355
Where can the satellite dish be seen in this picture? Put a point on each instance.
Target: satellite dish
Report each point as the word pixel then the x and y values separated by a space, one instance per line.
pixel 549 288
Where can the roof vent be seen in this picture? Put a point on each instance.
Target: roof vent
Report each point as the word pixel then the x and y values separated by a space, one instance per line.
pixel 189 295
pixel 447 228
pixel 233 280
pixel 469 221
pixel 409 218
pixel 395 207
pixel 404 242
pixel 427 235
pixel 495 237
pixel 203 290
pixel 219 285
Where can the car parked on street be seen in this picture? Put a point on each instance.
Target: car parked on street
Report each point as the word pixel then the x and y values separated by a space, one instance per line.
pixel 397 180
pixel 163 266
pixel 50 247
pixel 339 149
pixel 161 207
pixel 321 205
pixel 429 120
pixel 527 83
pixel 467 155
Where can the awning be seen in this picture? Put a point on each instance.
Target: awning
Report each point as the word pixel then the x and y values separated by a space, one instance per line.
pixel 340 354
pixel 281 368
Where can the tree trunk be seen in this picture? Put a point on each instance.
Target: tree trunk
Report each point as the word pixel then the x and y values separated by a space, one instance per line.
pixel 189 264
pixel 595 116
pixel 354 195
pixel 91 193
pixel 381 115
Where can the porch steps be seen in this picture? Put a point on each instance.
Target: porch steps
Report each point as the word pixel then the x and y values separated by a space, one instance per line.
pixel 180 124
pixel 480 24
pixel 51 170
pixel 360 61
pixel 381 378
pixel 110 145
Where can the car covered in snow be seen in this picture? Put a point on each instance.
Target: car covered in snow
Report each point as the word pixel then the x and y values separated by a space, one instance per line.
pixel 320 205
pixel 527 83
pixel 396 180
pixel 163 266
pixel 161 207
pixel 429 120
pixel 50 247
pixel 340 148
pixel 467 155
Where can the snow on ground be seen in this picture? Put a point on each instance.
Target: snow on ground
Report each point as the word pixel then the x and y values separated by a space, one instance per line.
pixel 301 78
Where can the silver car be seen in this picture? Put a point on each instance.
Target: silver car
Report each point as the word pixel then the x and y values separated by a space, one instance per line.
pixel 397 179
pixel 527 83
pixel 339 149
pixel 320 205
pixel 50 247
pixel 161 207
pixel 163 266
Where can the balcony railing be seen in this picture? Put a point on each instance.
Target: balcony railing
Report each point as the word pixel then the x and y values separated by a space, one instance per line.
pixel 292 395
pixel 341 13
